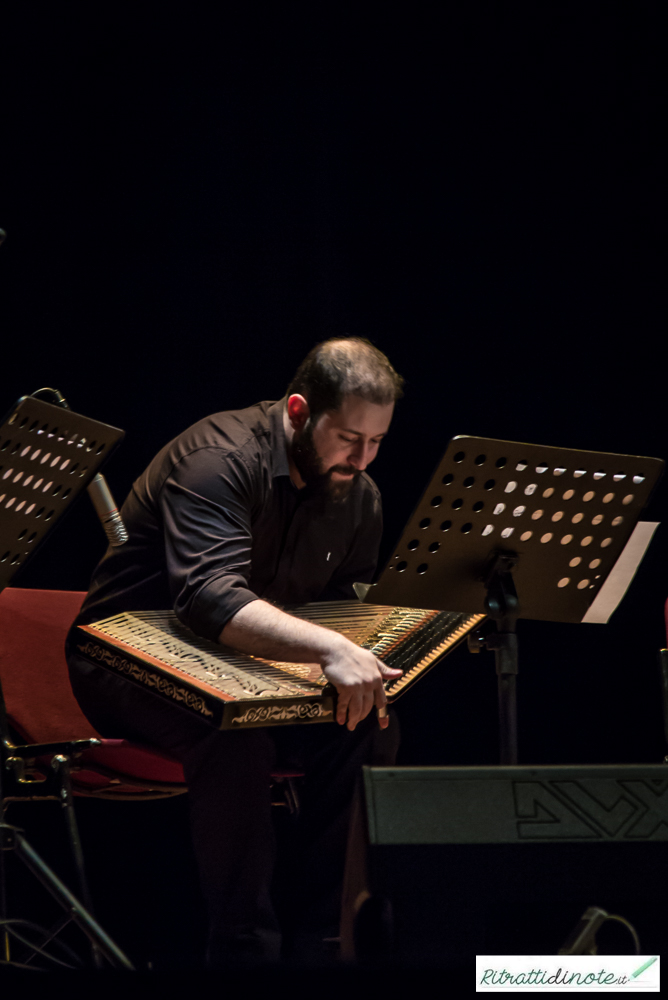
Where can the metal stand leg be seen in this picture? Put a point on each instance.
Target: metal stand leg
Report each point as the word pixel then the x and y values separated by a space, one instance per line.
pixel 60 766
pixel 12 839
pixel 64 897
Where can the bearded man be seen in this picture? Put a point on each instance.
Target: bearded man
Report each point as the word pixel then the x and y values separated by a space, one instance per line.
pixel 245 511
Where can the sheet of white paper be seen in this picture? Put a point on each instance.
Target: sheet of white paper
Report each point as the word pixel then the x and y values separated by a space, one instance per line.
pixel 621 574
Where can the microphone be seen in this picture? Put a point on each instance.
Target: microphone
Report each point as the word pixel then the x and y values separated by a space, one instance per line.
pixel 98 490
pixel 107 511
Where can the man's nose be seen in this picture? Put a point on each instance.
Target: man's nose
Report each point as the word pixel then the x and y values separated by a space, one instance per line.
pixel 359 457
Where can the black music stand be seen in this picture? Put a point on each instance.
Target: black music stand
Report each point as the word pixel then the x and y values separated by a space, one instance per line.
pixel 47 458
pixel 502 518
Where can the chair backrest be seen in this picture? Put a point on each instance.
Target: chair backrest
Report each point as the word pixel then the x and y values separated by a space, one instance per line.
pixel 33 670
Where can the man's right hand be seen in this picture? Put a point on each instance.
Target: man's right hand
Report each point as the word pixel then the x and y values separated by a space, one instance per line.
pixel 358 677
pixel 261 629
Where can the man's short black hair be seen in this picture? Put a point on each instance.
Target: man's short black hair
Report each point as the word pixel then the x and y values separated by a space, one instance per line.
pixel 345 366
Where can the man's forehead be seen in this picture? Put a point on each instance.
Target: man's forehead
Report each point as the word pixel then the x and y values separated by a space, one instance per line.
pixel 359 416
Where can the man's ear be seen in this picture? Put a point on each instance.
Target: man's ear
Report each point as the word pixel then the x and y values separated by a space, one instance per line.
pixel 298 411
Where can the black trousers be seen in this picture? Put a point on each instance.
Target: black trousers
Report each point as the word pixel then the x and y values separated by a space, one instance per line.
pixel 228 778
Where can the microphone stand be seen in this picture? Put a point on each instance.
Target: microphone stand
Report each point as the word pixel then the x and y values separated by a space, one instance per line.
pixel 22 422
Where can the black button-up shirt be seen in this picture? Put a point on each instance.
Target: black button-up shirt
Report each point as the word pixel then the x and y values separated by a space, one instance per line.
pixel 215 522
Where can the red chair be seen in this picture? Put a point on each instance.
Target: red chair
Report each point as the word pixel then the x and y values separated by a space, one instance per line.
pixel 41 708
pixel 45 738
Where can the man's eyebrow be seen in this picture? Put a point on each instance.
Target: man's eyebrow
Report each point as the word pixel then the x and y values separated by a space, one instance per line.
pixel 348 430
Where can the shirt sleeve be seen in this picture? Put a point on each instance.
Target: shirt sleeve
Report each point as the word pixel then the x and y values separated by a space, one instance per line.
pixel 205 505
pixel 359 566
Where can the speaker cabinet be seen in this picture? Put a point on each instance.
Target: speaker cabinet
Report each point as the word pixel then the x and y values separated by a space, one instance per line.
pixel 445 863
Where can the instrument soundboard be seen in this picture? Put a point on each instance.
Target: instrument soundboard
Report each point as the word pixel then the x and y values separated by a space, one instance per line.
pixel 232 690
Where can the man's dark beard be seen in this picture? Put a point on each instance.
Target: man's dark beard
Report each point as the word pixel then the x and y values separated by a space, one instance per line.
pixel 309 466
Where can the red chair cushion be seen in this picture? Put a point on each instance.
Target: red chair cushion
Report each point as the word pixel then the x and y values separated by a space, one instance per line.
pixel 135 761
pixel 38 697
pixel 33 670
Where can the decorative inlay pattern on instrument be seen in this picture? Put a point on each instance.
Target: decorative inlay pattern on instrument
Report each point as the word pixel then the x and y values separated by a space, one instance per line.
pixel 146 677
pixel 301 712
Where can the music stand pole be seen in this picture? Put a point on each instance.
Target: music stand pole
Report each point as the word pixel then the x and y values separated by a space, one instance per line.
pixel 502 605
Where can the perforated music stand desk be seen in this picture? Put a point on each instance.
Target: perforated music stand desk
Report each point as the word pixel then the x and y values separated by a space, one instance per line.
pixel 551 521
pixel 48 456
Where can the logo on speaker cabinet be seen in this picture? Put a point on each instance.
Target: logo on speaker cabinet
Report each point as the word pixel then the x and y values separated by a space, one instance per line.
pixel 592 809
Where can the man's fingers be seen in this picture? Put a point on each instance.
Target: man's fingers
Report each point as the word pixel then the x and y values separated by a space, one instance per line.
pixel 383 717
pixel 380 698
pixel 357 699
pixel 388 671
pixel 367 704
pixel 356 709
pixel 342 703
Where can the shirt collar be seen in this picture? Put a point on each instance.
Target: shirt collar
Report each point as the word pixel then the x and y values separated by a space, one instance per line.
pixel 279 449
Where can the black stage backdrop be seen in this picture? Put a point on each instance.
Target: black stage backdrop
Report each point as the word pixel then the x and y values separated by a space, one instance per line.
pixel 191 205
